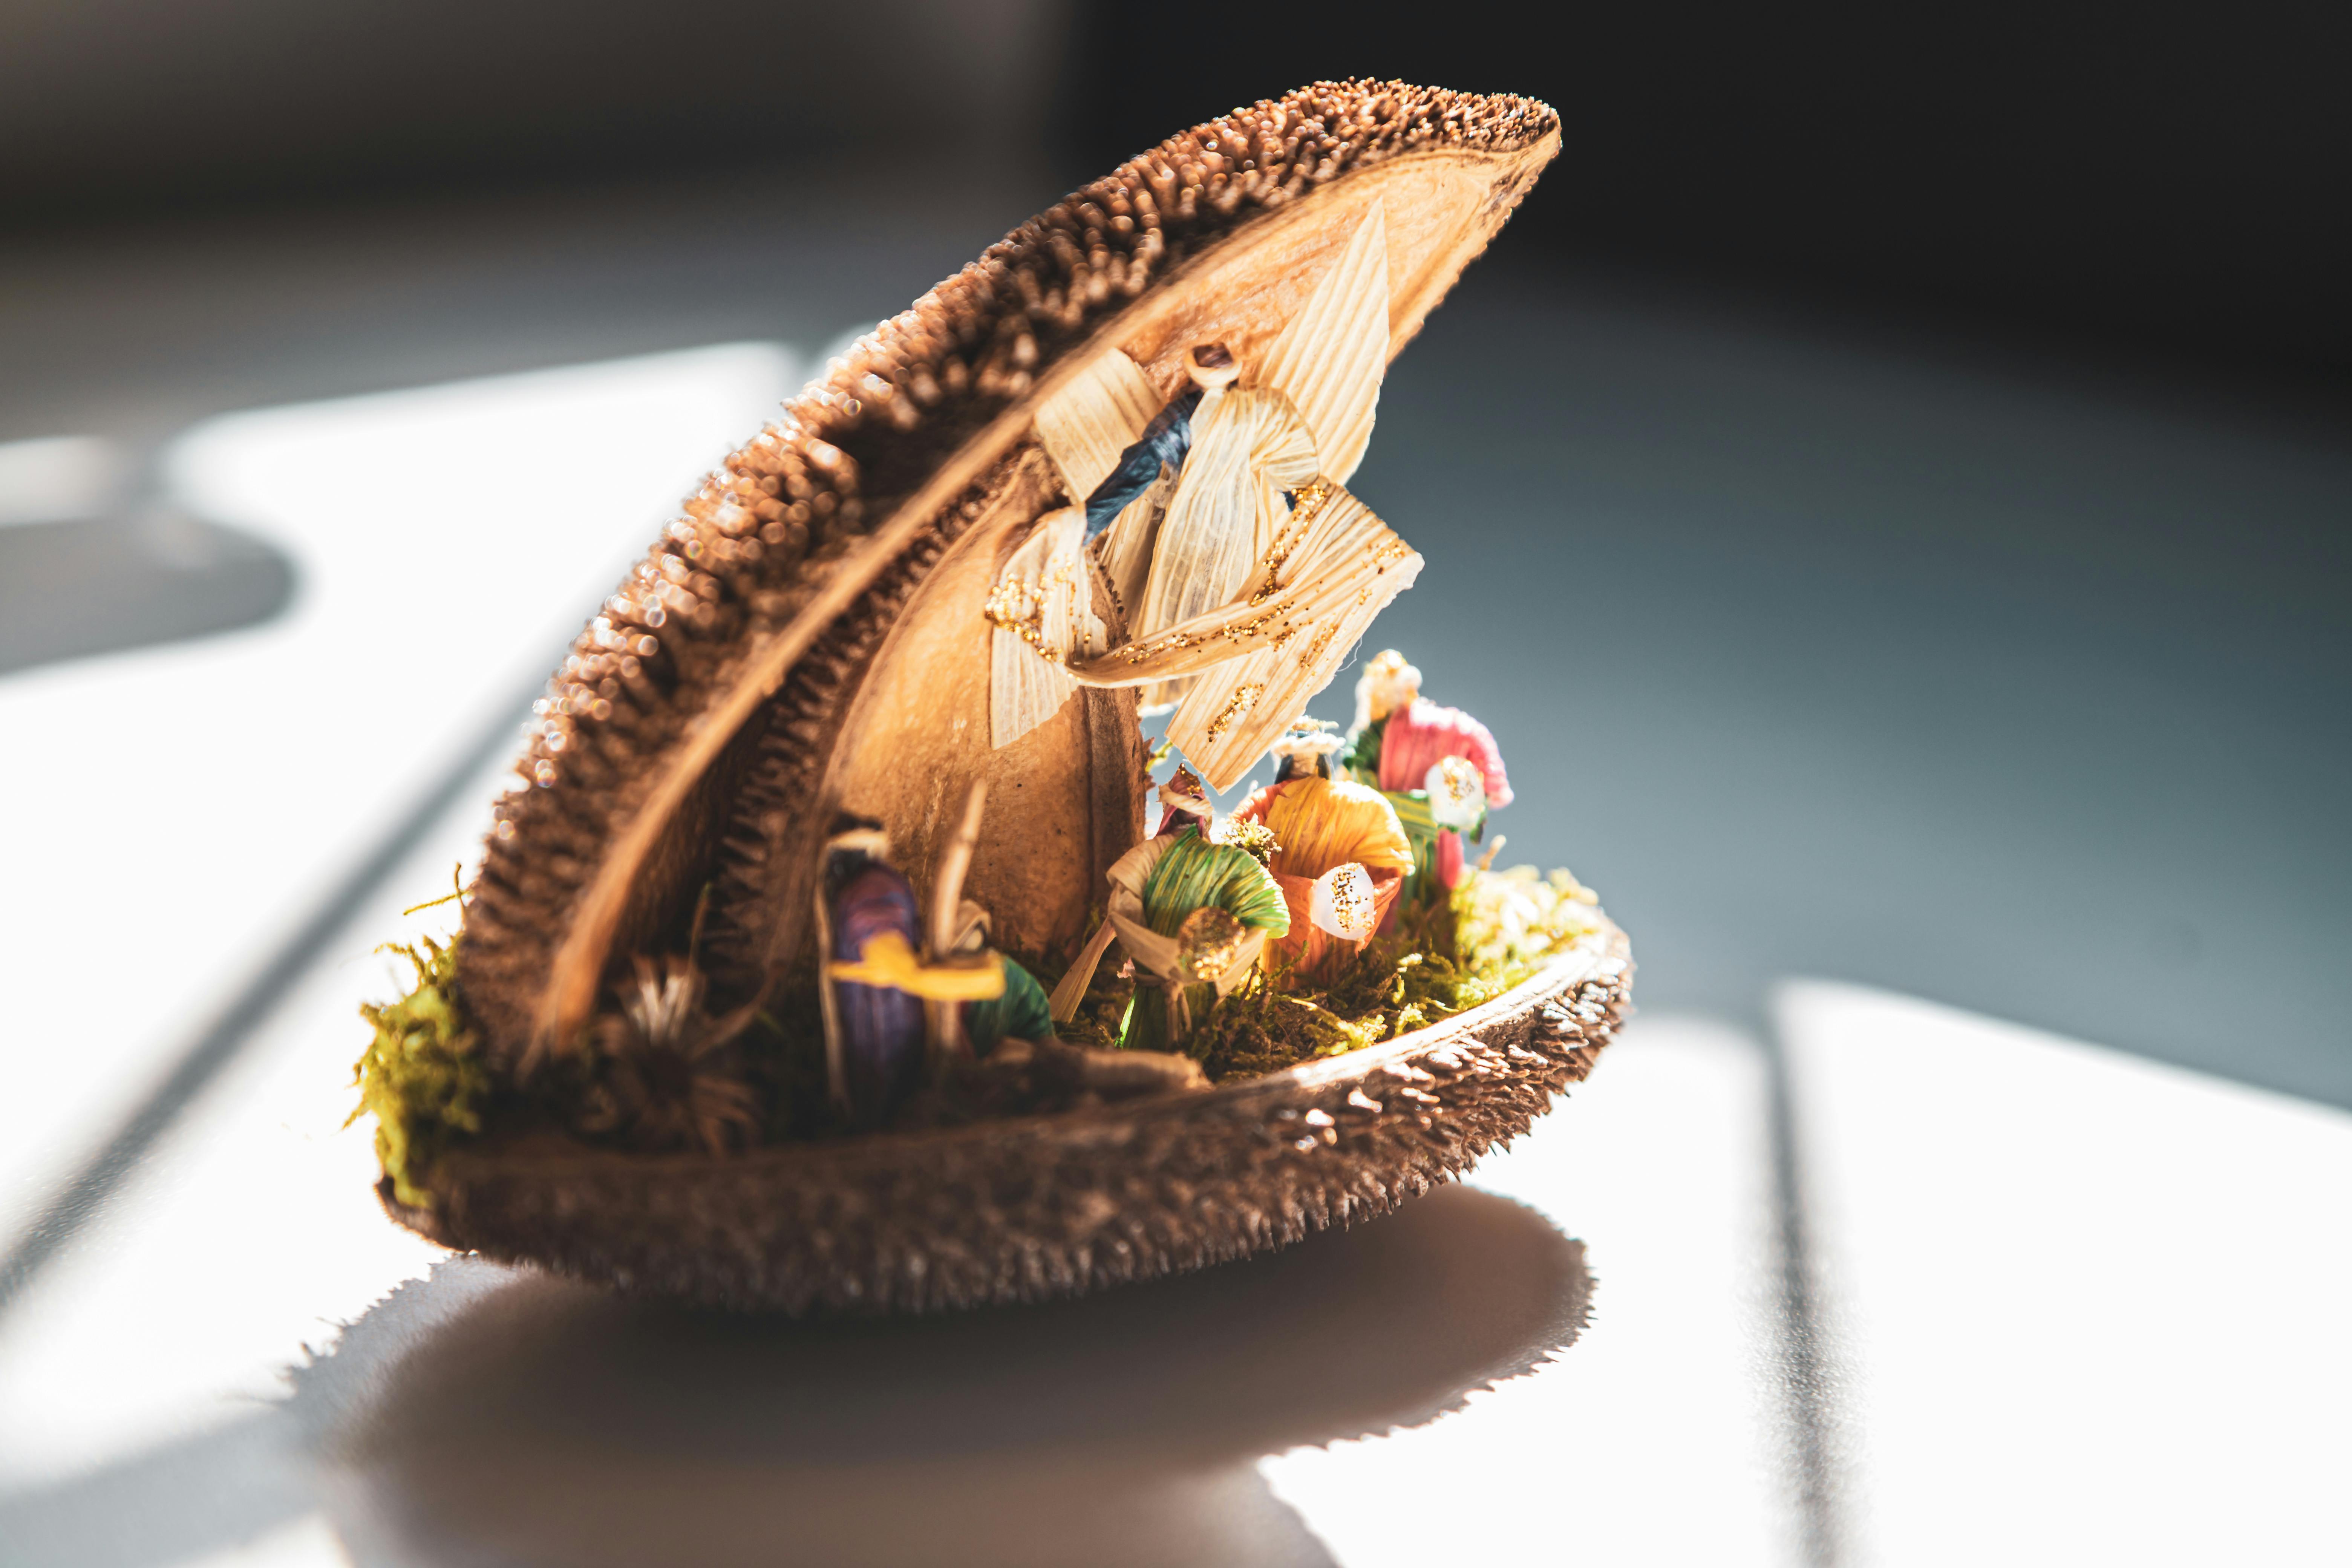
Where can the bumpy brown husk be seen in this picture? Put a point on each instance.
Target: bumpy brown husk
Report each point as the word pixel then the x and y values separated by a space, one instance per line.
pixel 1034 1207
pixel 807 639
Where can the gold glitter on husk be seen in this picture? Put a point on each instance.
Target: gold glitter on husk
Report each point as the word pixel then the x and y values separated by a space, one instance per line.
pixel 1243 699
pixel 1252 837
pixel 1017 607
pixel 1207 943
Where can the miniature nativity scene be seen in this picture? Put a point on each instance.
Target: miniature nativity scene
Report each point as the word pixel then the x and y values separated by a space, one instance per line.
pixel 847 943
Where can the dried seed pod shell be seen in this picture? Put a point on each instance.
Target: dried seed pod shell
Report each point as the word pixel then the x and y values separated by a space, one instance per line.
pixel 811 638
pixel 1026 1210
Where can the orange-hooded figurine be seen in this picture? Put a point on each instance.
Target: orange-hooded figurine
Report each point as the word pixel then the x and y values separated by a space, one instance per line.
pixel 1342 856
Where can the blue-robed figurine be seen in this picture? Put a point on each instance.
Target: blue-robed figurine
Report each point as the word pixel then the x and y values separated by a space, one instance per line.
pixel 1162 447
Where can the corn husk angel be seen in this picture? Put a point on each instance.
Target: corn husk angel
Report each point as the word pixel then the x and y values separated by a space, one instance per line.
pixel 1237 570
pixel 1341 860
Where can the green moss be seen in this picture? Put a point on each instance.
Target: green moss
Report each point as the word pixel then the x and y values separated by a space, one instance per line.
pixel 1497 929
pixel 1258 1029
pixel 422 1078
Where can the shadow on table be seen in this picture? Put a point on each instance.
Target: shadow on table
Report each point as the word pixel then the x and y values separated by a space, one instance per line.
pixel 487 1414
pixel 98 585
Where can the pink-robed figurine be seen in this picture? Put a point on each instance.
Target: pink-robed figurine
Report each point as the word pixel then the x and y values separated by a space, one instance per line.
pixel 1439 767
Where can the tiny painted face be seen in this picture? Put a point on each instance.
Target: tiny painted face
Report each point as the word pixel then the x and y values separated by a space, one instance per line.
pixel 1211 364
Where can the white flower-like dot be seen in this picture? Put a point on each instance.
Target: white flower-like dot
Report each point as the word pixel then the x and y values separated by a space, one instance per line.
pixel 1457 793
pixel 1342 902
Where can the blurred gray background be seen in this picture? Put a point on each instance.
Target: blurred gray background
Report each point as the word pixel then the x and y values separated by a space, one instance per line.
pixel 1888 490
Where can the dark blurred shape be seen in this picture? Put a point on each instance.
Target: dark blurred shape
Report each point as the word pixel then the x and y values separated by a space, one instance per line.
pixel 111 107
pixel 93 586
pixel 2167 178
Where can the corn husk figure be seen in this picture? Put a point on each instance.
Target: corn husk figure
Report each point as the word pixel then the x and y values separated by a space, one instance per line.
pixel 1439 767
pixel 1182 804
pixel 877 1030
pixel 1241 571
pixel 1229 455
pixel 1194 915
pixel 1342 856
pixel 1015 1031
pixel 1020 1012
pixel 1192 912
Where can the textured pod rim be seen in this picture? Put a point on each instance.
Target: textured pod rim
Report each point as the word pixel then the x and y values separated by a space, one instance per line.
pixel 1029 1208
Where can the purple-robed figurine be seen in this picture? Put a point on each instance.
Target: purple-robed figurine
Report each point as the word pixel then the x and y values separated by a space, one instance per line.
pixel 874 1035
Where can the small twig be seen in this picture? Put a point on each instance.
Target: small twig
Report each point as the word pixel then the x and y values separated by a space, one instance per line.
pixel 456 875
pixel 955 860
pixel 947 895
